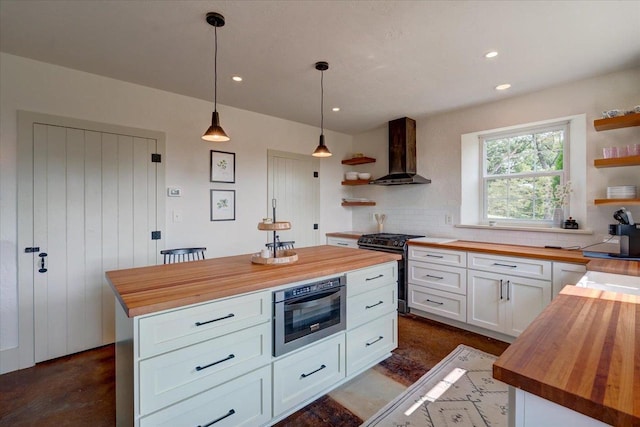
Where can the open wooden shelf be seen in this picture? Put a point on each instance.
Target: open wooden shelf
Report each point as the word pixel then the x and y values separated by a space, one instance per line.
pixel 617 161
pixel 362 160
pixel 358 203
pixel 625 121
pixel 356 182
pixel 617 201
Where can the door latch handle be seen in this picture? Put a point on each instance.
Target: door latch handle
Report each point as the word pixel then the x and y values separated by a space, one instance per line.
pixel 42 256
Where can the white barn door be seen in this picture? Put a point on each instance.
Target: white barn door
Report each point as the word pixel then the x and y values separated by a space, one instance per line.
pixel 297 192
pixel 95 204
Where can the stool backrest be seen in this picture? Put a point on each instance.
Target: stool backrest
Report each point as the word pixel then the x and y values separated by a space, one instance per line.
pixel 282 245
pixel 182 255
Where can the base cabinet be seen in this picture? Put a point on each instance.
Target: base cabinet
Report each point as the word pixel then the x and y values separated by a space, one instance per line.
pixel 506 304
pixel 304 374
pixel 371 341
pixel 566 274
pixel 245 401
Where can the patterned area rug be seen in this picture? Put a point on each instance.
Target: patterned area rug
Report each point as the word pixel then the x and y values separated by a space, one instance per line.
pixel 459 391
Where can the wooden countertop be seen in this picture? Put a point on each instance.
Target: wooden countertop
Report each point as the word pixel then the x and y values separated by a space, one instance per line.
pixel 581 352
pixel 146 290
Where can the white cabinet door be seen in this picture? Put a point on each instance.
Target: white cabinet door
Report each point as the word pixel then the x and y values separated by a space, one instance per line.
pixel 566 274
pixel 526 298
pixel 485 300
pixel 506 304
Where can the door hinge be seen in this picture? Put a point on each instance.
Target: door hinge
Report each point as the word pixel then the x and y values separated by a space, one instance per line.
pixel 315 226
pixel 315 174
pixel 156 235
pixel 31 250
pixel 156 158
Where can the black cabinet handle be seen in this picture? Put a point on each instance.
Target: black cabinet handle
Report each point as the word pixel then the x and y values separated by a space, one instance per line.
pixel 42 268
pixel 434 256
pixel 508 290
pixel 435 302
pixel 434 277
pixel 374 341
pixel 371 306
pixel 342 244
pixel 500 288
pixel 228 414
pixel 374 278
pixel 505 265
pixel 229 357
pixel 313 372
pixel 228 316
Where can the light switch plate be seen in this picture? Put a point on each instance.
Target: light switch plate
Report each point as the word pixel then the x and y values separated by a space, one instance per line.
pixel 174 192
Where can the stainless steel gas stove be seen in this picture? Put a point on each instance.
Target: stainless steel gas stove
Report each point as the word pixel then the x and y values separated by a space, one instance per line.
pixel 393 243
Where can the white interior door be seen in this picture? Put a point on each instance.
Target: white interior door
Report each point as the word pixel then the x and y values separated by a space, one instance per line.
pixel 294 184
pixel 94 208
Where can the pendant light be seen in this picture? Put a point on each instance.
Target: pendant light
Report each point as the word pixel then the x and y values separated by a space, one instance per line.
pixel 215 132
pixel 322 150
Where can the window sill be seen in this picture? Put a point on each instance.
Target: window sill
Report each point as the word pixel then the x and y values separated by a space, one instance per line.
pixel 530 228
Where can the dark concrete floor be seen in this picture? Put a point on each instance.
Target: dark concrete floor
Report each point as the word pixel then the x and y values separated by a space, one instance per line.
pixel 79 390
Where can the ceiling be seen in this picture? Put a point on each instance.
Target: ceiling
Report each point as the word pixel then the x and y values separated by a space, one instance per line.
pixel 387 59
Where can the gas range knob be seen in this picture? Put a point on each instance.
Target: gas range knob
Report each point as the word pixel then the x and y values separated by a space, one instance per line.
pixel 395 243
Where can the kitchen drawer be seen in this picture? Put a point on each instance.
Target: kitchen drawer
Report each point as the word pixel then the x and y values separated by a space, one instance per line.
pixel 179 328
pixel 182 373
pixel 438 256
pixel 369 305
pixel 245 401
pixel 372 277
pixel 440 277
pixel 515 266
pixel 303 375
pixel 445 304
pixel 370 342
pixel 344 242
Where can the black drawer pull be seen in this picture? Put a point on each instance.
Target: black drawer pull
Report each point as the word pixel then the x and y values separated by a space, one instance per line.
pixel 228 414
pixel 374 341
pixel 435 256
pixel 505 265
pixel 434 277
pixel 313 372
pixel 374 278
pixel 228 316
pixel 342 244
pixel 371 306
pixel 435 302
pixel 200 368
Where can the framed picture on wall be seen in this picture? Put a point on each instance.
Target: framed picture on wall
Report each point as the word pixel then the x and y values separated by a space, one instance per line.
pixel 223 205
pixel 223 166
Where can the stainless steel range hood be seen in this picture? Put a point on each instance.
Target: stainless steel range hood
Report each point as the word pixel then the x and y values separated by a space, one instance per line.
pixel 402 155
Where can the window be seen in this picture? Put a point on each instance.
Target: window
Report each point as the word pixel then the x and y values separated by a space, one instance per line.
pixel 523 173
pixel 521 170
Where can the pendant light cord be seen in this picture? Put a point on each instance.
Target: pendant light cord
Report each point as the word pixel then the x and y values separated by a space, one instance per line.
pixel 215 69
pixel 321 102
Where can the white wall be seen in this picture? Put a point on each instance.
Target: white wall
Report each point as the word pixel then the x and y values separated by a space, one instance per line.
pixel 422 208
pixel 44 88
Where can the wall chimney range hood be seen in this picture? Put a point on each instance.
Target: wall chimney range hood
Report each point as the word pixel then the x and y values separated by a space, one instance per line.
pixel 402 154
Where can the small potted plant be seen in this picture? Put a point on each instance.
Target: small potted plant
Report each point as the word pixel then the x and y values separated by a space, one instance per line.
pixel 561 196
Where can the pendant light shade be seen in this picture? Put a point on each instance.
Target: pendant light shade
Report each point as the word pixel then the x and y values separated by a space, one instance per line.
pixel 215 132
pixel 322 150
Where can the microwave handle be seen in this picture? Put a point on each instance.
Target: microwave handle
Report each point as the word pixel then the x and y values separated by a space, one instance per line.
pixel 311 300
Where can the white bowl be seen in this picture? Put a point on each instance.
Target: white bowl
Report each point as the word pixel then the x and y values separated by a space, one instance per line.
pixel 364 175
pixel 351 176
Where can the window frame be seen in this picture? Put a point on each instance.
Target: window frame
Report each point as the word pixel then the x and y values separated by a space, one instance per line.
pixel 564 174
pixel 471 186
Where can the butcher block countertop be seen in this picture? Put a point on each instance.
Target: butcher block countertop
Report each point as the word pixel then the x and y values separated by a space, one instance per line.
pixel 146 290
pixel 581 352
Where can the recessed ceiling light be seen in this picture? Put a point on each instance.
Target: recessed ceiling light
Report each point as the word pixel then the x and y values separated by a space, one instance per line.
pixel 335 109
pixel 491 54
pixel 503 86
pixel 236 78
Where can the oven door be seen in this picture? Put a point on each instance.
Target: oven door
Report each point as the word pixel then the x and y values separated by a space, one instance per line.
pixel 303 320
